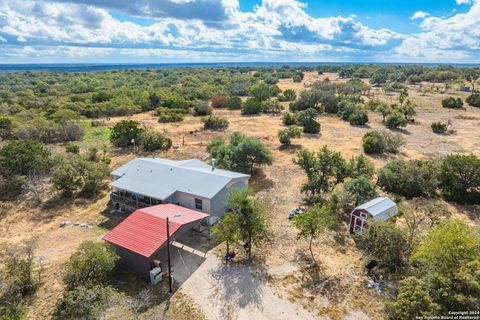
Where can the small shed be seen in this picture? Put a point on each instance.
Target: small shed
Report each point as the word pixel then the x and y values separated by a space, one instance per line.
pixel 142 237
pixel 380 209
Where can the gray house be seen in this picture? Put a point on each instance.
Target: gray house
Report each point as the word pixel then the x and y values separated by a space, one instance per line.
pixel 193 184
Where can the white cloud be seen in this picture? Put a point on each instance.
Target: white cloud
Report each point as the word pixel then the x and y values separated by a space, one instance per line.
pixel 419 15
pixel 459 2
pixel 455 38
pixel 3 39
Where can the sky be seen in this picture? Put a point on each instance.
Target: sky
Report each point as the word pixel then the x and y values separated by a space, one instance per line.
pixel 169 31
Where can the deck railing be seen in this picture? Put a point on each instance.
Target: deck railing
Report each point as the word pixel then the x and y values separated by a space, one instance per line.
pixel 128 201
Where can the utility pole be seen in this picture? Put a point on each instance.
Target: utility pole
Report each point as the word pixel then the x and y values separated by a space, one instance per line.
pixel 169 265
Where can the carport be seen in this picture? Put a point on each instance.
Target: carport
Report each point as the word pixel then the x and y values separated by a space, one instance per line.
pixel 140 240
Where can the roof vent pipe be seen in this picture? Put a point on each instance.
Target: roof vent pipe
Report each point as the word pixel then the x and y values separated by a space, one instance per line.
pixel 213 164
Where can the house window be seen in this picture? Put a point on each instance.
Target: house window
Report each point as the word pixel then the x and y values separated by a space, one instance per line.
pixel 198 204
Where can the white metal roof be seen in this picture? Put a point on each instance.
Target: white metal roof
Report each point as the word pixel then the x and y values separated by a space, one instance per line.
pixel 159 178
pixel 381 208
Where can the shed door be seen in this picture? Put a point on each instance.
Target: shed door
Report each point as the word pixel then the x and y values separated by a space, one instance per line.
pixel 358 225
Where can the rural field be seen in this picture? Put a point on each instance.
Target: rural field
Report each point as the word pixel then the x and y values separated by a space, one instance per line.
pixel 281 282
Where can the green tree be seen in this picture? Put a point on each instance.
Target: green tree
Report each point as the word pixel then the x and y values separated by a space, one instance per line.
pixel 361 165
pixel 313 223
pixel 252 220
pixel 361 189
pixel 324 170
pixel 417 178
pixel 226 229
pixel 252 106
pixel 241 153
pixel 24 157
pixel 460 178
pixel 449 245
pixel 262 91
pixel 89 265
pixel 124 132
pixel 413 300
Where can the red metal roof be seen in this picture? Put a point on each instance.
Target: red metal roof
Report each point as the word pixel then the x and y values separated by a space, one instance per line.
pixel 145 230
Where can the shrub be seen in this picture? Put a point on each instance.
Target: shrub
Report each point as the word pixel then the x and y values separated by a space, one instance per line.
pixel 386 243
pixel 219 101
pixel 460 178
pixel 66 178
pixel 90 265
pixel 297 78
pixel 214 123
pixel 152 141
pixel 17 282
pixel 24 157
pixel 418 178
pixel 72 148
pixel 286 135
pixel 271 106
pixel 201 108
pixel 395 119
pixel 6 128
pixel 358 117
pixel 234 103
pixel 439 127
pixel 373 143
pixel 346 109
pixel 124 132
pixel 252 106
pixel 393 141
pixel 308 120
pixel 289 118
pixel 474 100
pixel 76 174
pixel 166 115
pixel 170 117
pixel 290 95
pixel 452 103
pixel 82 303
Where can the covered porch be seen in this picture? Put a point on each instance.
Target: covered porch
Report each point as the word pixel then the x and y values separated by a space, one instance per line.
pixel 126 201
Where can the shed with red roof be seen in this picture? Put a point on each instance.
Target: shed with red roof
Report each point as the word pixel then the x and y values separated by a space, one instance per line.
pixel 142 236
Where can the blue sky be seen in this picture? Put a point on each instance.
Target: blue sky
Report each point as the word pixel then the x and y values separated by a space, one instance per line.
pixel 149 31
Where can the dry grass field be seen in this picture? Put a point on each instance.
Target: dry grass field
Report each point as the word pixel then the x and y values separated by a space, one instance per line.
pixel 338 288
